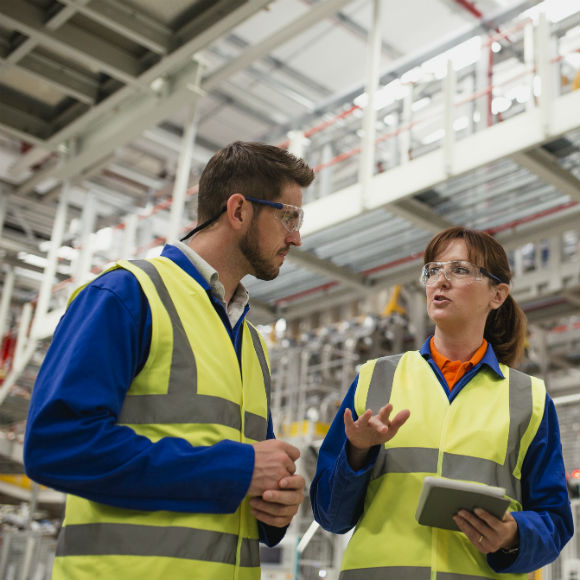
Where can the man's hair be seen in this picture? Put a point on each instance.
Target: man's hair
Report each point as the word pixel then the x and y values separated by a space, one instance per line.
pixel 253 169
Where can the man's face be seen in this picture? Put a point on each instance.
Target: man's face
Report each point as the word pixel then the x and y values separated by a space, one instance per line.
pixel 267 242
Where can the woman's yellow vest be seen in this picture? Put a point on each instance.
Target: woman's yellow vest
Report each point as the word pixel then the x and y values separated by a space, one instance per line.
pixel 482 436
pixel 191 387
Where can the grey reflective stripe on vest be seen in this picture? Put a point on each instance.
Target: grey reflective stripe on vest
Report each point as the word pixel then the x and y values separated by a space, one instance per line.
pixel 155 541
pixel 381 385
pixel 403 573
pixel 418 459
pixel 182 403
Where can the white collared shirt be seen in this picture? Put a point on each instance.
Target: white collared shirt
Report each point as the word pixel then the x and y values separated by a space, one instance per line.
pixel 235 307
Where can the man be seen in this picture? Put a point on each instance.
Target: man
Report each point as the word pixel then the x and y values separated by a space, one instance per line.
pixel 151 409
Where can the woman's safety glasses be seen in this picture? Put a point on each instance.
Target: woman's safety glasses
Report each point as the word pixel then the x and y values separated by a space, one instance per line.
pixel 291 216
pixel 454 271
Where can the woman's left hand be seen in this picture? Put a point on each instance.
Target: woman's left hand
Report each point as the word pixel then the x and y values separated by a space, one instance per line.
pixel 486 532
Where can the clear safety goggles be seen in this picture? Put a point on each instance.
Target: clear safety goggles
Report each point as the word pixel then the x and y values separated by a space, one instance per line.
pixel 454 271
pixel 291 216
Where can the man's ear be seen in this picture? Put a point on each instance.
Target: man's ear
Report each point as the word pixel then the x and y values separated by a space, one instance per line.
pixel 238 210
pixel 500 293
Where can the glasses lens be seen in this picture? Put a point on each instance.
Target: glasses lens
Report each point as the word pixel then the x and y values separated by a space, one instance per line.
pixel 291 217
pixel 457 270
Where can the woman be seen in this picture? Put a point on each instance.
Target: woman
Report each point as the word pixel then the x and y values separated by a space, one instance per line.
pixel 463 414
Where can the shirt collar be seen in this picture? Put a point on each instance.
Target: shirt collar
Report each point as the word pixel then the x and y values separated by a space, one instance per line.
pixel 204 273
pixel 489 359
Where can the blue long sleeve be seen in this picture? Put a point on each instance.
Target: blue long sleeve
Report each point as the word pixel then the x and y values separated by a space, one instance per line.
pixel 337 492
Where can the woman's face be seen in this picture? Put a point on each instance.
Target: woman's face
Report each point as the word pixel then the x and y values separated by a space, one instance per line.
pixel 462 305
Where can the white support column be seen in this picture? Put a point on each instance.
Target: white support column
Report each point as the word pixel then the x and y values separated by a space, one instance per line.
pixel 324 178
pixel 367 159
pixel 3 206
pixel 543 69
pixel 83 266
pixel 130 237
pixel 22 335
pixel 7 290
pixel 554 262
pixel 482 81
pixel 404 138
pixel 182 177
pixel 449 118
pixel 529 63
pixel 51 262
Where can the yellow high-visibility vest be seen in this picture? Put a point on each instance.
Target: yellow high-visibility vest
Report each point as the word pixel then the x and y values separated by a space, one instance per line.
pixel 191 387
pixel 482 436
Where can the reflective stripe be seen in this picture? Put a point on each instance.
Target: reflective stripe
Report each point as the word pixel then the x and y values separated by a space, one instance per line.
pixel 452 576
pixel 155 541
pixel 403 573
pixel 405 460
pixel 182 403
pixel 381 385
pixel 262 358
pixel 387 573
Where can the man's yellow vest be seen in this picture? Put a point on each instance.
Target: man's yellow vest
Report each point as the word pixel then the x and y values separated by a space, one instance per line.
pixel 191 387
pixel 482 436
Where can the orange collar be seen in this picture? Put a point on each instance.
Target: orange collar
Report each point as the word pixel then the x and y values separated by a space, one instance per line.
pixel 453 370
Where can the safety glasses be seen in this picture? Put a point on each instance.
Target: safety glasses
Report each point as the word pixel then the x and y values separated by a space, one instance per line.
pixel 291 216
pixel 454 271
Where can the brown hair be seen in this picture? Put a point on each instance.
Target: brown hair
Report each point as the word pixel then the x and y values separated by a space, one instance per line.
pixel 506 327
pixel 254 169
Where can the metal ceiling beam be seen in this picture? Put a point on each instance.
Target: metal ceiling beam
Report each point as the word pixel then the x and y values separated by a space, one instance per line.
pixel 419 214
pixel 80 44
pixel 327 268
pixel 128 121
pixel 321 11
pixel 22 124
pixel 58 75
pixel 545 166
pixel 29 43
pixel 127 22
pixel 180 57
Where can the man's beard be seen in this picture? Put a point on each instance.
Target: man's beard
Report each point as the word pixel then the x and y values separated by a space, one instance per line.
pixel 262 268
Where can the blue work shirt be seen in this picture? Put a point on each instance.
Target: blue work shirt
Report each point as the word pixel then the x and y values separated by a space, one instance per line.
pixel 73 442
pixel 337 492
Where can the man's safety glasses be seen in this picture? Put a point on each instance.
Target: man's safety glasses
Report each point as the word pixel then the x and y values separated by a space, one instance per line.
pixel 291 216
pixel 454 271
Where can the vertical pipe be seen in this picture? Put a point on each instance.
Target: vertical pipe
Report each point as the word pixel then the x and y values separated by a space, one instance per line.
pixel 529 63
pixel 405 136
pixel 325 175
pixel 52 258
pixel 369 120
pixel 129 237
pixel 182 177
pixel 543 68
pixel 3 206
pixel 21 337
pixel 83 266
pixel 449 117
pixel 7 290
